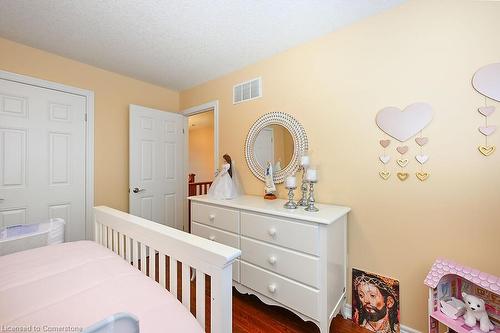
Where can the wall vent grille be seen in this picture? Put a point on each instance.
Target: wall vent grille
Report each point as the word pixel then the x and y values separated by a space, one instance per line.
pixel 247 91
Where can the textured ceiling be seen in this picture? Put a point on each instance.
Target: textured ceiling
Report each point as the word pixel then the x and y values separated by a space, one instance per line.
pixel 175 43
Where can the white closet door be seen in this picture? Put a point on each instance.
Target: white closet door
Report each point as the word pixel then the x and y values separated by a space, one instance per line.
pixel 156 160
pixel 42 157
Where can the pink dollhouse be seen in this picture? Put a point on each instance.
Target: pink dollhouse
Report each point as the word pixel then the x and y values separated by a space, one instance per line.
pixel 448 279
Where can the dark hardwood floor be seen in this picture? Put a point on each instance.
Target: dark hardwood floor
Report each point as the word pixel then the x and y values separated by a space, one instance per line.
pixel 250 315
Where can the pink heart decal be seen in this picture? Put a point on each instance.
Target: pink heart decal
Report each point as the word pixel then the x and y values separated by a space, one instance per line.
pixel 486 110
pixel 402 149
pixel 421 158
pixel 385 143
pixel 487 130
pixel 421 141
pixel 404 124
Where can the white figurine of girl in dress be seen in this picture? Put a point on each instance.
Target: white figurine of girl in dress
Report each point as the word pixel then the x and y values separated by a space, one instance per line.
pixel 226 183
pixel 269 188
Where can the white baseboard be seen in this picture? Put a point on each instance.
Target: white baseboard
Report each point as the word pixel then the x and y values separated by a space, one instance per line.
pixel 347 313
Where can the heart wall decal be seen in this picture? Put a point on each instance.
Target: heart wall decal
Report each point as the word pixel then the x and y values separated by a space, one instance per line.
pixel 486 81
pixel 487 130
pixel 421 141
pixel 404 124
pixel 422 176
pixel 403 162
pixel 402 149
pixel 384 174
pixel 486 110
pixel 487 150
pixel 385 143
pixel 403 176
pixel 384 158
pixel 421 158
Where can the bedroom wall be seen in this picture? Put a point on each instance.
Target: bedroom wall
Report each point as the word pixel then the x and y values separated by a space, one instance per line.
pixel 201 153
pixel 421 51
pixel 113 94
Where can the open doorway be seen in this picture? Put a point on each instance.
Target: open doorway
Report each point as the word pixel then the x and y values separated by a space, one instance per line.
pixel 201 150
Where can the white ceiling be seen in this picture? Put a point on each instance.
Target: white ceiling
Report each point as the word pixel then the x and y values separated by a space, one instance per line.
pixel 176 43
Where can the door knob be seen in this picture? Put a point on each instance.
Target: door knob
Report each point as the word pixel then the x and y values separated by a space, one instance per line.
pixel 137 190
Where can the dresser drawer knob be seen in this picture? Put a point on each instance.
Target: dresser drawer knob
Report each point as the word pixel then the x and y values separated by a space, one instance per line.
pixel 211 237
pixel 211 217
pixel 272 260
pixel 272 232
pixel 272 288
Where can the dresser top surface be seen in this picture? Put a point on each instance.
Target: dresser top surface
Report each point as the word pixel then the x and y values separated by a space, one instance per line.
pixel 327 214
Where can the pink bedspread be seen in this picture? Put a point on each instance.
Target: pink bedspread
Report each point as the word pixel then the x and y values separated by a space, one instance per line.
pixel 79 283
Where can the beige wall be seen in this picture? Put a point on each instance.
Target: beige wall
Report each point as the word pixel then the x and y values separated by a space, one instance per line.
pixel 201 153
pixel 420 51
pixel 113 94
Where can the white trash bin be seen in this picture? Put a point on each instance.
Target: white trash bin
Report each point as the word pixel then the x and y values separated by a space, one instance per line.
pixel 22 237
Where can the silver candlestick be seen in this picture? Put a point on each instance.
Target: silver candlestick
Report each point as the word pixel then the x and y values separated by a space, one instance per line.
pixel 290 204
pixel 303 188
pixel 310 200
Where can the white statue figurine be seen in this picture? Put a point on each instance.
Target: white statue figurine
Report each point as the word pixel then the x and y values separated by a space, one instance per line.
pixel 225 184
pixel 269 188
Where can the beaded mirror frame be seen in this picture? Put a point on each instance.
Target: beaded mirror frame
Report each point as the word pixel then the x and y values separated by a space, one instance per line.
pixel 300 144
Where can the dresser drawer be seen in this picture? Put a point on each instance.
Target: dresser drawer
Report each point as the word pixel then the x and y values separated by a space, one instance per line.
pixel 294 235
pixel 218 217
pixel 222 237
pixel 290 293
pixel 294 265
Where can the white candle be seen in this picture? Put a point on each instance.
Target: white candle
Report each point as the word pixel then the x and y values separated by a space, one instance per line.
pixel 312 175
pixel 304 161
pixel 291 182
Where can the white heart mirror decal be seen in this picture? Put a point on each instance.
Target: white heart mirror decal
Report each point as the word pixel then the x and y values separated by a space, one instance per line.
pixel 487 81
pixel 404 124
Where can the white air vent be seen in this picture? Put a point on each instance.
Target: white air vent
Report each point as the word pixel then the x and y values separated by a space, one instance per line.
pixel 248 90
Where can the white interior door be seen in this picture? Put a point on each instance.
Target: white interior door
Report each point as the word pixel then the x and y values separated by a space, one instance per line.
pixel 157 181
pixel 42 157
pixel 264 147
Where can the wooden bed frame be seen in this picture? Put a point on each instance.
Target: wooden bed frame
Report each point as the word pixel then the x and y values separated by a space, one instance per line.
pixel 138 240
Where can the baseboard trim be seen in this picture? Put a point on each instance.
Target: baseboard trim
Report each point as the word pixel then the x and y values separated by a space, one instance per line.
pixel 347 313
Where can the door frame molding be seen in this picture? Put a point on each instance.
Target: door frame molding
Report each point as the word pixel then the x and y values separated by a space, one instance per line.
pixel 89 134
pixel 190 112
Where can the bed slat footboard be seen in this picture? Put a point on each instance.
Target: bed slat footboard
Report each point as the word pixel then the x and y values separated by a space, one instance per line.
pixel 139 242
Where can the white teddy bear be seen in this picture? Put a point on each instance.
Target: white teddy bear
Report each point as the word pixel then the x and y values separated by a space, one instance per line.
pixel 476 311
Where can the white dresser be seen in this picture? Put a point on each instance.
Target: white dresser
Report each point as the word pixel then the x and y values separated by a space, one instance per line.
pixel 291 258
